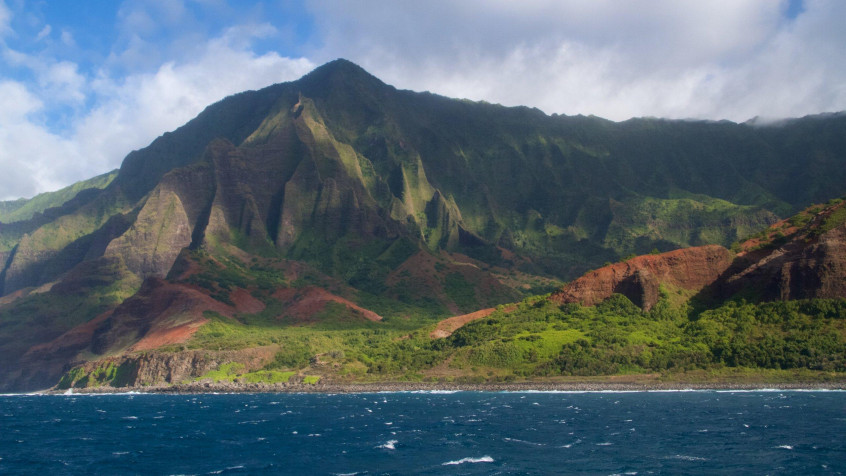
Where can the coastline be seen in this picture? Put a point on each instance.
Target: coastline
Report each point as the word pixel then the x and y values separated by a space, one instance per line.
pixel 390 387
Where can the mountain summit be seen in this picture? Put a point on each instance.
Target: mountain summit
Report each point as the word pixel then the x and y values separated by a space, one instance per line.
pixel 338 198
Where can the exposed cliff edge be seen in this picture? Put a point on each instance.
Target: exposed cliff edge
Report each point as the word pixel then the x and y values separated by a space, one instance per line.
pixel 639 278
pixel 784 262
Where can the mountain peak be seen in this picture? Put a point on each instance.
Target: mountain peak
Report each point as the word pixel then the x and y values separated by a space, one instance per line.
pixel 340 71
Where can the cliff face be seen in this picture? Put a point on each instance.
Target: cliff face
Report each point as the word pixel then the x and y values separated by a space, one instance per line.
pixel 162 368
pixel 811 264
pixel 808 262
pixel 639 278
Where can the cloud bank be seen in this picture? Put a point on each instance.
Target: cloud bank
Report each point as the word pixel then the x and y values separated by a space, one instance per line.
pixel 722 59
pixel 67 113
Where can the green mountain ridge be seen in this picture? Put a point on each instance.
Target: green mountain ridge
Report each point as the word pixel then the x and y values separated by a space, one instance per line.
pixel 410 205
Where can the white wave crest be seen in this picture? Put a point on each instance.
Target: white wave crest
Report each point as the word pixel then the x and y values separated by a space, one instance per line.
pixel 483 459
pixel 688 458
pixel 389 445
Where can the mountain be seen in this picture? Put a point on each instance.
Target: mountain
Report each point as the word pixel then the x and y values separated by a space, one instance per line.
pixel 339 202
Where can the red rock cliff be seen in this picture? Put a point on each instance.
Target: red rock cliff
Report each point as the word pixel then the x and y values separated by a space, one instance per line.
pixel 639 278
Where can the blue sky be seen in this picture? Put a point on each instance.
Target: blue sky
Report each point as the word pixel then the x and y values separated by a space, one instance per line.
pixel 83 83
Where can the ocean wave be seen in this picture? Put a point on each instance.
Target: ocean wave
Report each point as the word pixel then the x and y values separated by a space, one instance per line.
pixel 389 445
pixel 687 458
pixel 230 468
pixel 426 392
pixel 483 459
pixel 515 440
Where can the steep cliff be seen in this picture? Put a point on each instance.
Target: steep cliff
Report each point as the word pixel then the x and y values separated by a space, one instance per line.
pixel 800 258
pixel 639 278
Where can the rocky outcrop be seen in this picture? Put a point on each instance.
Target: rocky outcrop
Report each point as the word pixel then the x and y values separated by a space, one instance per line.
pixel 639 278
pixel 163 368
pixel 805 267
pixel 807 263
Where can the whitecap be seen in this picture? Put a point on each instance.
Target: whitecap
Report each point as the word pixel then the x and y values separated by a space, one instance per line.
pixel 785 447
pixel 389 445
pixel 129 418
pixel 515 440
pixel 252 422
pixel 687 458
pixel 226 469
pixel 429 392
pixel 483 459
pixel 604 444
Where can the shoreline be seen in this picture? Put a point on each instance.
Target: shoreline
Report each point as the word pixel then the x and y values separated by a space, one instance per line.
pixel 396 387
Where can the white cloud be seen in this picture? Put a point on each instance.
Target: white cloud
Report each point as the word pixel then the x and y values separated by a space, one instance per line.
pixel 718 59
pixel 44 33
pixel 67 38
pixel 128 113
pixel 138 109
pixel 29 152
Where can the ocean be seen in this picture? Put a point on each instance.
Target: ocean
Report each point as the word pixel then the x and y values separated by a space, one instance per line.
pixel 604 433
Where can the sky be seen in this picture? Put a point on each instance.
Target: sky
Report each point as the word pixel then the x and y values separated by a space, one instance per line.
pixel 83 83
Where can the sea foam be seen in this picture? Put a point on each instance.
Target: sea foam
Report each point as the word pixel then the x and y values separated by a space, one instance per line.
pixel 483 459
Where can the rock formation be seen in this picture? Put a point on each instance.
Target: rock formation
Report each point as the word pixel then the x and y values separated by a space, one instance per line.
pixel 639 278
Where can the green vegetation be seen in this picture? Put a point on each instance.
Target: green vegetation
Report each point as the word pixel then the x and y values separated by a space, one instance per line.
pixel 24 209
pixel 539 339
pixel 106 373
pixel 462 293
pixel 266 376
pixel 234 371
pixel 641 224
pixel 832 221
pixel 617 337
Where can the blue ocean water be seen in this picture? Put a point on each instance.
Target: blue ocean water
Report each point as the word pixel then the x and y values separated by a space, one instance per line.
pixel 701 432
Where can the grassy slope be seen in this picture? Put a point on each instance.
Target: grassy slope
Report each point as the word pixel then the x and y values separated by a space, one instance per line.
pixel 24 209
